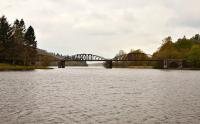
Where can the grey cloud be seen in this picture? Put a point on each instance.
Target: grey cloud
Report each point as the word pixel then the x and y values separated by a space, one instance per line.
pixel 105 26
pixel 186 22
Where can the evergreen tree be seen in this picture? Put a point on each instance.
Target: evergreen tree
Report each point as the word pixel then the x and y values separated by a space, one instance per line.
pixel 17 47
pixel 5 35
pixel 30 37
pixel 31 45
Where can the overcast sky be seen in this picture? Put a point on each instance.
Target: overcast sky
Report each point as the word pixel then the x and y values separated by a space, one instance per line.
pixel 104 27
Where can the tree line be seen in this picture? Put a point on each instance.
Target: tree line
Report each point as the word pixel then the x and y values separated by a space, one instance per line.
pixel 132 55
pixel 18 45
pixel 186 49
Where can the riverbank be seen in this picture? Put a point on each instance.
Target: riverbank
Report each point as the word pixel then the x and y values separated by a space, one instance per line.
pixel 152 67
pixel 136 67
pixel 8 67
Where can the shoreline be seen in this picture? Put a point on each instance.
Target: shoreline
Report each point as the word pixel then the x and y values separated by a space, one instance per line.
pixel 136 67
pixel 8 67
pixel 151 67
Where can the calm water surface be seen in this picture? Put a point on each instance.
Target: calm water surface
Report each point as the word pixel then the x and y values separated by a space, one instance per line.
pixel 98 95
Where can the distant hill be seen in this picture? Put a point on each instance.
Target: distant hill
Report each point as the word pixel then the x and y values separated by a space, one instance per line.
pixel 52 59
pixel 52 56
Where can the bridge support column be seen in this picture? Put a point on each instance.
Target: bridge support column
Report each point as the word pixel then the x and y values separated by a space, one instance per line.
pixel 181 64
pixel 173 63
pixel 165 64
pixel 108 64
pixel 61 64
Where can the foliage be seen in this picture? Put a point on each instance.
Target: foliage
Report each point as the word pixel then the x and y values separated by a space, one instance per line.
pixel 194 56
pixel 183 48
pixel 196 39
pixel 5 37
pixel 167 50
pixel 120 53
pixel 138 55
pixel 186 49
pixel 17 44
pixel 132 55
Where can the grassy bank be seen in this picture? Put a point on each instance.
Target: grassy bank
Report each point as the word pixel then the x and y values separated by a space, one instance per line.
pixel 8 67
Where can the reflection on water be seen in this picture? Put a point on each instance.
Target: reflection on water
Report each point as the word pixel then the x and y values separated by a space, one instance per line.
pixel 98 95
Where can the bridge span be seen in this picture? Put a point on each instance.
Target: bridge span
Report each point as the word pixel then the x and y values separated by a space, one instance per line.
pixel 123 58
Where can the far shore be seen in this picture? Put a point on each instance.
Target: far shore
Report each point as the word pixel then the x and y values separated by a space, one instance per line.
pixel 136 67
pixel 8 67
pixel 151 67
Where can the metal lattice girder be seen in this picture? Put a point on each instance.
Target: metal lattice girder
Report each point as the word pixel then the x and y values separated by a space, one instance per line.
pixel 125 57
pixel 85 57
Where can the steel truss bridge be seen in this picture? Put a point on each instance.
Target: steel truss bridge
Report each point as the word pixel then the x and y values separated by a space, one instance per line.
pixel 126 57
pixel 108 62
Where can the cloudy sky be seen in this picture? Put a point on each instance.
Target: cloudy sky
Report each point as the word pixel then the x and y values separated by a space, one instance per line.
pixel 104 27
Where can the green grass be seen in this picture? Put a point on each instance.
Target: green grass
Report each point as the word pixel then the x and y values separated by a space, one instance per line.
pixel 7 67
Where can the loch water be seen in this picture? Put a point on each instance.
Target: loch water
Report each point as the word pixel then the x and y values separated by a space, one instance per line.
pixel 94 95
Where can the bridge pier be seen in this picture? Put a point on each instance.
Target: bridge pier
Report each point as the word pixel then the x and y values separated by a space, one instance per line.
pixel 61 64
pixel 108 64
pixel 169 63
pixel 165 63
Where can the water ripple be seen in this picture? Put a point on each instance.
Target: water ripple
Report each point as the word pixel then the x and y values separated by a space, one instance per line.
pixel 117 96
